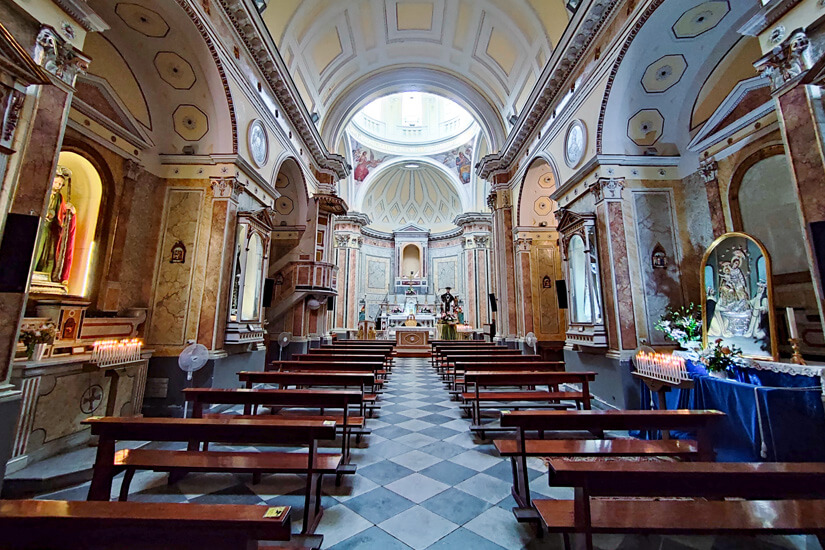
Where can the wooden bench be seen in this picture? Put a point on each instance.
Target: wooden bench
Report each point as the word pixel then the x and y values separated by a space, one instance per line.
pixel 448 357
pixel 521 448
pixel 108 463
pixel 550 398
pixel 360 380
pixel 328 366
pixel 79 525
pixel 345 356
pixel 345 400
pixel 455 375
pixel 779 498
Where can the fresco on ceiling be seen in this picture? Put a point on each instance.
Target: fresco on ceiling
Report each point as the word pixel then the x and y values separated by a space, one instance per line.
pixel 459 161
pixel 364 160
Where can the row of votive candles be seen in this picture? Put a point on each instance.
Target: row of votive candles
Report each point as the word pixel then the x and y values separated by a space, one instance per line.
pixel 109 352
pixel 667 368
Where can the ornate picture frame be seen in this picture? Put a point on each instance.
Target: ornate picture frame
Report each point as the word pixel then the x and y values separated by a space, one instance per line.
pixel 258 143
pixel 575 143
pixel 737 296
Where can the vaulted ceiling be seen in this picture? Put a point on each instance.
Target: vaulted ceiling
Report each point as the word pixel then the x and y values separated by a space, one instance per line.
pixel 485 54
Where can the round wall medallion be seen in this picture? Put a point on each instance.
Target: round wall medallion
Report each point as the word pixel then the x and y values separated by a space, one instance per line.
pixel 575 143
pixel 258 142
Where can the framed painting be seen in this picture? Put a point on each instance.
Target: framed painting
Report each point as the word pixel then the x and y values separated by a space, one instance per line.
pixel 737 296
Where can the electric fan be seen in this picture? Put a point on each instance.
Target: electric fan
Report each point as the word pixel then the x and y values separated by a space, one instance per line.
pixel 192 358
pixel 283 341
pixel 531 340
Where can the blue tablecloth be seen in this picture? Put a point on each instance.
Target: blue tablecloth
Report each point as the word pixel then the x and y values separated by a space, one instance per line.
pixel 770 416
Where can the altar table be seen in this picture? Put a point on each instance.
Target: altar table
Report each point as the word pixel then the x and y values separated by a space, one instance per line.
pixel 771 416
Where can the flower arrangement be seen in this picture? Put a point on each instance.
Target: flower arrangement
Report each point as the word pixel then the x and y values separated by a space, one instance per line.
pixel 448 318
pixel 683 325
pixel 31 336
pixel 721 357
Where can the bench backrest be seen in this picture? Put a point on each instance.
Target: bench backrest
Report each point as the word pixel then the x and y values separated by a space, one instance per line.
pixel 763 480
pixel 519 378
pixel 274 398
pixel 610 420
pixel 337 356
pixel 366 366
pixel 93 525
pixel 509 363
pixel 226 430
pixel 343 379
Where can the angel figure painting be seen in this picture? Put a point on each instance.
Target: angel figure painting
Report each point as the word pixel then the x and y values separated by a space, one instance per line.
pixel 737 295
pixel 364 160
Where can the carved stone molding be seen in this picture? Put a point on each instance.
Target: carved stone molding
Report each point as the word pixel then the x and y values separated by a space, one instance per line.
pixel 551 86
pixel 709 170
pixel 524 244
pixel 491 201
pixel 274 70
pixel 59 57
pixel 331 204
pixel 12 117
pixel 340 240
pixel 227 188
pixel 608 189
pixel 482 241
pixel 132 170
pixel 788 61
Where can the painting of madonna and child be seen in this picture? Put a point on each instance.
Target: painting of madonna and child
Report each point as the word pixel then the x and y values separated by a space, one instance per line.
pixel 738 301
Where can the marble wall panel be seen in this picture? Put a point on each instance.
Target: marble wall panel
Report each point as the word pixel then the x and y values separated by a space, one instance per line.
pixel 174 281
pixel 662 287
pixel 546 308
pixel 378 274
pixel 444 273
pixel 64 402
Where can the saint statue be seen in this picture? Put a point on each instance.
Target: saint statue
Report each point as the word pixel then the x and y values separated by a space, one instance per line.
pixel 55 250
pixel 448 301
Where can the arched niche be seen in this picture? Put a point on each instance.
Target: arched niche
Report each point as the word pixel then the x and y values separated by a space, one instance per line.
pixel 535 208
pixel 411 260
pixel 763 203
pixel 291 206
pixel 67 244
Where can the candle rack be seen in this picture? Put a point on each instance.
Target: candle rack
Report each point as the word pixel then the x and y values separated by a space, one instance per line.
pixel 661 373
pixel 106 353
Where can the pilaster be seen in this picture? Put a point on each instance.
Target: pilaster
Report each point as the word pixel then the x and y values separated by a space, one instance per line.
pixel 709 169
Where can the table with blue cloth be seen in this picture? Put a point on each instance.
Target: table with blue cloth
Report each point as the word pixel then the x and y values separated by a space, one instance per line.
pixel 772 416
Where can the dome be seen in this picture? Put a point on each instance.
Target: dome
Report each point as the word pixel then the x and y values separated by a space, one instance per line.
pixel 412 193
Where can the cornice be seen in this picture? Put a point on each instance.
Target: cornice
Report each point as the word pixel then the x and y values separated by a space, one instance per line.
pixel 85 16
pixel 472 217
pixel 250 29
pixel 551 84
pixel 16 61
pixel 767 16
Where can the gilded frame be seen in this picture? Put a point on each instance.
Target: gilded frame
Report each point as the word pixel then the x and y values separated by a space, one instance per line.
pixel 770 334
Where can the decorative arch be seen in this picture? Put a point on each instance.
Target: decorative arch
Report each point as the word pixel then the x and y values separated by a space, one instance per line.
pixel 295 189
pixel 358 203
pixel 739 175
pixel 540 157
pixel 419 79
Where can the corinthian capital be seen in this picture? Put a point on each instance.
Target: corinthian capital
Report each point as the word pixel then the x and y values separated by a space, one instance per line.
pixel 787 61
pixel 59 57
pixel 709 169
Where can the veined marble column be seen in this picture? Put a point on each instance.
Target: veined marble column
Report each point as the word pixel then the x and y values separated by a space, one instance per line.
pixel 709 169
pixel 798 93
pixel 525 287
pixel 37 167
pixel 615 264
pixel 348 241
pixel 504 260
pixel 215 301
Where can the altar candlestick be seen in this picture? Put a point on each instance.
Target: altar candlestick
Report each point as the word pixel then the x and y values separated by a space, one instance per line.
pixel 791 322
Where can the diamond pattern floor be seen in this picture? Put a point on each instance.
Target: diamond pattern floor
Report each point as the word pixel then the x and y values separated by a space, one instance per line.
pixel 423 481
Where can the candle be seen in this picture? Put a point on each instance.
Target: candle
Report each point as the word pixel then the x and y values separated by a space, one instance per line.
pixel 792 322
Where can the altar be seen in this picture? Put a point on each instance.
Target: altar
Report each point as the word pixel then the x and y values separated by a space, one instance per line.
pixel 412 310
pixel 412 342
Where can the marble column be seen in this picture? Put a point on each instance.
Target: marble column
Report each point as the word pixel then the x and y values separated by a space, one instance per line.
pixel 525 286
pixel 215 300
pixel 709 169
pixel 615 264
pixel 798 93
pixel 504 261
pixel 37 166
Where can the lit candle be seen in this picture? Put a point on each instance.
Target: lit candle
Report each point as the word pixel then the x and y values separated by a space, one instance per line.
pixel 792 322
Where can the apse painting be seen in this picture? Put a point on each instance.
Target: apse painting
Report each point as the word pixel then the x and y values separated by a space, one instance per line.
pixel 364 160
pixel 737 297
pixel 459 161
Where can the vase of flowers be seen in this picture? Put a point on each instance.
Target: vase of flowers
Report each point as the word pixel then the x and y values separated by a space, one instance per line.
pixel 36 339
pixel 720 358
pixel 683 325
pixel 448 322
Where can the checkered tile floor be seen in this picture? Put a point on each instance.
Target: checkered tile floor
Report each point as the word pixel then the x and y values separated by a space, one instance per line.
pixel 423 481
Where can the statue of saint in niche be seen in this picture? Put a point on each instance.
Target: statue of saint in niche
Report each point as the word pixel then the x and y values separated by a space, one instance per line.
pixel 55 250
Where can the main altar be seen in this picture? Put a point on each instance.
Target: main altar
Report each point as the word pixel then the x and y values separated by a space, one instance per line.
pixel 421 314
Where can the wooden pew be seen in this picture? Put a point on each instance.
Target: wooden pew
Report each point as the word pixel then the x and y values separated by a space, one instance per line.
pixel 550 398
pixel 361 380
pixel 345 400
pixel 345 356
pixel 438 347
pixel 779 498
pixel 455 375
pixel 79 525
pixel 314 465
pixel 522 447
pixel 451 356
